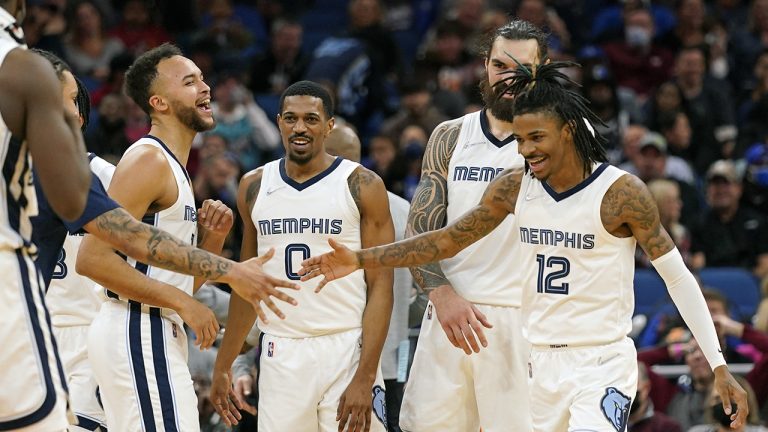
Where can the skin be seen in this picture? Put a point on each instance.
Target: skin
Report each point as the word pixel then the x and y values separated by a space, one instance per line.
pixel 143 182
pixel 461 321
pixel 304 126
pixel 30 100
pixel 627 209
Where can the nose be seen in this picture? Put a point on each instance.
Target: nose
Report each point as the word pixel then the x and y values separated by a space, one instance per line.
pixel 524 148
pixel 299 126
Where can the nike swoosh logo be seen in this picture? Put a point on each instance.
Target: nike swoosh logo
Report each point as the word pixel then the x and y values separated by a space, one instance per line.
pixel 270 192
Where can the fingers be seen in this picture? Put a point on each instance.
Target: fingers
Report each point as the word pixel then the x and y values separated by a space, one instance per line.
pixel 221 403
pixel 273 307
pixel 342 413
pixel 451 338
pixel 460 340
pixel 266 257
pixel 476 329
pixel 742 407
pixel 481 317
pixel 321 285
pixel 282 283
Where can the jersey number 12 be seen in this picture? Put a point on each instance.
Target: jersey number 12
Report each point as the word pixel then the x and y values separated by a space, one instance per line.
pixel 545 283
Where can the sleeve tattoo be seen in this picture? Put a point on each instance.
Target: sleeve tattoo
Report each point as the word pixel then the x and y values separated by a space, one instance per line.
pixel 430 200
pixel 161 249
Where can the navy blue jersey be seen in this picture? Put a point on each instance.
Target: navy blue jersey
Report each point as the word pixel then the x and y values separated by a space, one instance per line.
pixel 49 230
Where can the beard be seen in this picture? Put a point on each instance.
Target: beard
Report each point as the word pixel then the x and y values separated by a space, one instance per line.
pixel 190 118
pixel 501 108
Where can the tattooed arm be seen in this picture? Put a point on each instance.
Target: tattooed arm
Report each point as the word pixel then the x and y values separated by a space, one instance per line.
pixel 498 201
pixel 629 209
pixel 430 200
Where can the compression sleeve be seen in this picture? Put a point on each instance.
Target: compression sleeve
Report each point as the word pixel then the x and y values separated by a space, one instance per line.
pixel 686 294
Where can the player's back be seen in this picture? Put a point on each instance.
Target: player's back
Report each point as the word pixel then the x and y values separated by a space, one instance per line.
pixel 480 273
pixel 578 276
pixel 73 299
pixel 297 219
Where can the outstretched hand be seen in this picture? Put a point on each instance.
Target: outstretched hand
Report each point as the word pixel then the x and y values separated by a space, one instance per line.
pixel 250 282
pixel 333 265
pixel 730 390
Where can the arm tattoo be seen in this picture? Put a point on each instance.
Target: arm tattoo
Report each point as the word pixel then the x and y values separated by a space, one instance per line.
pixel 433 246
pixel 253 189
pixel 357 181
pixel 429 204
pixel 162 249
pixel 628 203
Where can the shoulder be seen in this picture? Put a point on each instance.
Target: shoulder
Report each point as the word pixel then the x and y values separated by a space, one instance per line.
pixel 145 155
pixel 626 187
pixel 447 132
pixel 365 185
pixel 250 184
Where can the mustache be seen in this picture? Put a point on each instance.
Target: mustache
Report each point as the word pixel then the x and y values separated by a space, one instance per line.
pixel 294 136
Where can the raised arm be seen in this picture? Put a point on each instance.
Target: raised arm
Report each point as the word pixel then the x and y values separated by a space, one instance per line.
pixel 629 209
pixel 498 201
pixel 376 228
pixel 31 107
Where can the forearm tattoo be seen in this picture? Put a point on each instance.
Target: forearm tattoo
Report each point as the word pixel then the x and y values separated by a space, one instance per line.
pixel 429 203
pixel 160 248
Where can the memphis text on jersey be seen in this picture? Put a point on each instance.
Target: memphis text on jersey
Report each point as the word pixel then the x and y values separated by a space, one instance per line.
pixel 476 174
pixel 548 237
pixel 299 226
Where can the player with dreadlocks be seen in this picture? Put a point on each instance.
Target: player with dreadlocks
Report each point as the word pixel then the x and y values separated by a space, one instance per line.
pixel 578 221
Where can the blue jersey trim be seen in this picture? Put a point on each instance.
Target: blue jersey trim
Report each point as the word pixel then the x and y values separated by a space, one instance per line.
pixel 98 203
pixel 161 371
pixel 486 128
pixel 88 424
pixel 586 182
pixel 301 186
pixel 50 397
pixel 139 371
pixel 162 144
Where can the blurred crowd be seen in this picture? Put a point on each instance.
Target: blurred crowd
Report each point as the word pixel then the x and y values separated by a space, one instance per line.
pixel 681 86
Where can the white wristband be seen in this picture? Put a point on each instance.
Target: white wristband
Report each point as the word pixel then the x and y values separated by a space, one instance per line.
pixel 686 295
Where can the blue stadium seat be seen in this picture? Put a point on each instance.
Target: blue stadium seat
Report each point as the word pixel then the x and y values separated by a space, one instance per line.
pixel 650 292
pixel 739 285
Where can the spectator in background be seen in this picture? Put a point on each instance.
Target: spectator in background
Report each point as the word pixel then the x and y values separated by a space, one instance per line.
pixel 630 141
pixel 217 179
pixel 668 98
pixel 210 145
pixel 467 14
pixel 250 134
pixel 137 30
pixel 747 43
pixel 45 25
pixel 755 89
pixel 88 48
pixel 709 109
pixel 676 129
pixel 690 28
pixel 542 16
pixel 107 138
pixel 666 193
pixel 718 421
pixel 600 89
pixel 643 416
pixel 385 160
pixel 756 179
pixel 114 82
pixel 416 108
pixel 284 62
pixel 729 234
pixel 637 62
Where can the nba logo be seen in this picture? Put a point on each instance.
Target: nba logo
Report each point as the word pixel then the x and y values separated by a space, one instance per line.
pixel 270 349
pixel 429 312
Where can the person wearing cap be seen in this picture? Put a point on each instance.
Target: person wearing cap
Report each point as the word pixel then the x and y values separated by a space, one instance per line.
pixel 651 161
pixel 729 234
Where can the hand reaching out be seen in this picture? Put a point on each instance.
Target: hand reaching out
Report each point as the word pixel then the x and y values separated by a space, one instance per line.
pixel 332 265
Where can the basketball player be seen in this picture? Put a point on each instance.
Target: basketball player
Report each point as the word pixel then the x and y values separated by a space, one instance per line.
pixel 577 220
pixel 71 299
pixel 138 352
pixel 319 368
pixel 479 287
pixel 33 123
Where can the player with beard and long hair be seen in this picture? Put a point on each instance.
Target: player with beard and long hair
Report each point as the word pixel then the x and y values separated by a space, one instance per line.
pixel 138 352
pixel 474 296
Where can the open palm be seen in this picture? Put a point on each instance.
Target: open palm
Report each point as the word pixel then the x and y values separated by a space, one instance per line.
pixel 333 265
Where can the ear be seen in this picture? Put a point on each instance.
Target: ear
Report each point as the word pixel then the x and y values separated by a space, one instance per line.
pixel 331 122
pixel 568 130
pixel 158 103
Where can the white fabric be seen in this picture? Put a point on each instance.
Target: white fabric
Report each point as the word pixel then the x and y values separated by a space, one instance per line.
pixel 686 294
pixel 297 221
pixel 578 275
pixel 450 391
pixel 583 389
pixel 131 350
pixel 301 381
pixel 480 273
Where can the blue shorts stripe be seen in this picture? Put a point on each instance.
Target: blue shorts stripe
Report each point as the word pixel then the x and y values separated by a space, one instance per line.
pixel 88 424
pixel 139 371
pixel 50 397
pixel 161 371
pixel 59 365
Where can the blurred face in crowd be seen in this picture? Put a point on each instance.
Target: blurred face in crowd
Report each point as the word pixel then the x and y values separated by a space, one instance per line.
pixel 668 97
pixel 679 136
pixel 304 126
pixel 700 370
pixel 722 194
pixel 286 41
pixel 87 19
pixel 760 14
pixel 364 13
pixel 179 86
pixel 650 163
pixel 691 13
pixel 533 11
pixel 222 172
pixel 383 152
pixel 498 64
pixel 761 70
pixel 135 13
pixel 416 103
pixel 449 47
pixel 631 140
pixel 638 26
pixel 690 67
pixel 667 196
pixel 213 145
pixel 470 12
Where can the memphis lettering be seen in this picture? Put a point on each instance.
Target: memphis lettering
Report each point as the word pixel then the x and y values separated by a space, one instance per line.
pixel 548 237
pixel 299 226
pixel 477 174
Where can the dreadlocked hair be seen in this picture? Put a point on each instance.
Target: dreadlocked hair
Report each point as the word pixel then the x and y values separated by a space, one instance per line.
pixel 83 101
pixel 545 89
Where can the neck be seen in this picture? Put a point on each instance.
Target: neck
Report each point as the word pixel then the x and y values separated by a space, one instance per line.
pixel 499 128
pixel 177 137
pixel 726 214
pixel 569 175
pixel 301 172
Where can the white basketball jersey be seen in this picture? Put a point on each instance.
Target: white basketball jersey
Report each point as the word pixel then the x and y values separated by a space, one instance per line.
pixel 482 273
pixel 73 299
pixel 577 276
pixel 179 220
pixel 297 219
pixel 18 201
